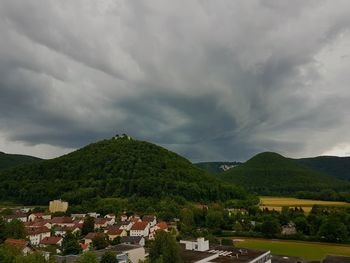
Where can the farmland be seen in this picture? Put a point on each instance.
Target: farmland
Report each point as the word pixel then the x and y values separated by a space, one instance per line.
pixel 306 250
pixel 277 203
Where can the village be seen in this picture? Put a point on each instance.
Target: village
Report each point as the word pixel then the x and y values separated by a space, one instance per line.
pixel 125 235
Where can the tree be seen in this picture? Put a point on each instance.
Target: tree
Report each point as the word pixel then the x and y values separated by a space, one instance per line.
pixel 302 225
pixel 271 227
pixel 187 221
pixel 70 245
pixel 333 230
pixel 109 257
pixel 2 230
pixel 32 258
pixel 88 257
pixel 214 219
pixel 88 225
pixel 99 242
pixel 15 229
pixel 164 249
pixel 8 254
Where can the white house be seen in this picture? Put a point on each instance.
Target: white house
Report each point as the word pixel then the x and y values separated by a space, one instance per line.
pixel 152 220
pixel 34 216
pixel 140 229
pixel 36 234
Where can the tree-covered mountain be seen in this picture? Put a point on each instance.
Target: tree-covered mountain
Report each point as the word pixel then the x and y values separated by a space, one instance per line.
pixel 272 174
pixel 216 167
pixel 12 160
pixel 120 167
pixel 336 166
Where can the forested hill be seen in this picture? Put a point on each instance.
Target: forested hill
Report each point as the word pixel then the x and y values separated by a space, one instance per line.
pixel 12 160
pixel 336 166
pixel 272 174
pixel 216 167
pixel 113 168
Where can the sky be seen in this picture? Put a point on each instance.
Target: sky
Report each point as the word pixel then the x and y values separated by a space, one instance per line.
pixel 210 80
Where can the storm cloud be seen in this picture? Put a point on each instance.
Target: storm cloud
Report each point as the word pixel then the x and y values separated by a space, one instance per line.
pixel 211 80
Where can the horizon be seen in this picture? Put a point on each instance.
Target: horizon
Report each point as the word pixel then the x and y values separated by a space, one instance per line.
pixel 199 79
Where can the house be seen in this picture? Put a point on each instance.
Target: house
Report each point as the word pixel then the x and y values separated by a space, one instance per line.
pixel 64 221
pixel 93 214
pixel 126 225
pixel 51 241
pixel 18 216
pixel 115 232
pixel 36 234
pixel 139 240
pixel 123 218
pixel 77 216
pixel 91 236
pixel 58 206
pixel 140 229
pixel 289 229
pixel 39 223
pixel 34 216
pixel 110 216
pixel 22 245
pixel 62 230
pixel 158 227
pixel 152 220
pixel 101 223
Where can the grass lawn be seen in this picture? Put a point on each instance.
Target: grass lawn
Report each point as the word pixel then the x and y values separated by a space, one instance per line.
pixel 306 250
pixel 277 203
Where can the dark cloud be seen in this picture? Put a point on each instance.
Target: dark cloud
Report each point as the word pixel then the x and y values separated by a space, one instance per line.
pixel 211 80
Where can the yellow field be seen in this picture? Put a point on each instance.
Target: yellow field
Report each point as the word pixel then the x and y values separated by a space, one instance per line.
pixel 277 203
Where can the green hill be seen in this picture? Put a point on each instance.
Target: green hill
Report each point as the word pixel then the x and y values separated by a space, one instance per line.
pixel 336 166
pixel 272 174
pixel 113 168
pixel 12 160
pixel 216 167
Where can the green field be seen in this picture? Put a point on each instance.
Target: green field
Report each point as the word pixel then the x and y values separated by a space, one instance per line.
pixel 277 203
pixel 306 250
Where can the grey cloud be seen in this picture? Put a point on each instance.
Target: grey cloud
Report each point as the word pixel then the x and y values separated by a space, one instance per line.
pixel 209 79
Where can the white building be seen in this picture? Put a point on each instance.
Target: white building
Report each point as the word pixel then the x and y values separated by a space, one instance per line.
pixel 140 229
pixel 197 245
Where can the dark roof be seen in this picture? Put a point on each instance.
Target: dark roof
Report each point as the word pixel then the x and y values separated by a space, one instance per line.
pixel 118 249
pixel 286 259
pixel 336 259
pixel 236 255
pixel 132 240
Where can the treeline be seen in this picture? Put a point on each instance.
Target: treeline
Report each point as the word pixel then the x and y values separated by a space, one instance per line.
pixel 321 224
pixel 113 168
pixel 325 195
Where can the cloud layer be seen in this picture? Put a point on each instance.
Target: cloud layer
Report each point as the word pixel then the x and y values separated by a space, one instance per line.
pixel 211 80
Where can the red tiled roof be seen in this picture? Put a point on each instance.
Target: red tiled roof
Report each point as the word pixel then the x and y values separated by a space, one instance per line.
pixel 139 226
pixel 36 230
pixel 62 220
pixel 16 242
pixel 93 235
pixel 101 221
pixel 50 240
pixel 115 232
pixel 162 225
pixel 84 246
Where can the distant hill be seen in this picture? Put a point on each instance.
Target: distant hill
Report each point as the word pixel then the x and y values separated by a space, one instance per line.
pixel 272 174
pixel 120 167
pixel 216 167
pixel 12 160
pixel 336 166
